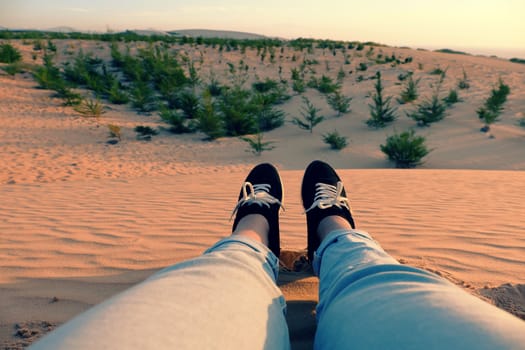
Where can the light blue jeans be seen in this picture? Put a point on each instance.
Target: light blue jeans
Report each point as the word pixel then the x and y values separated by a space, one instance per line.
pixel 225 299
pixel 367 300
pixel 228 299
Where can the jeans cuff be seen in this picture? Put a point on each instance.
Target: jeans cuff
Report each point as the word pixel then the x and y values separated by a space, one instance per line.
pixel 250 245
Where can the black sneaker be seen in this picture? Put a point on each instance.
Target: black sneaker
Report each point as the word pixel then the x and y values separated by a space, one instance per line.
pixel 262 193
pixel 323 195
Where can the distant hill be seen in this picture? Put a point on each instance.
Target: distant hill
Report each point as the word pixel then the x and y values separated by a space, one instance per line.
pixel 149 32
pixel 207 33
pixel 62 29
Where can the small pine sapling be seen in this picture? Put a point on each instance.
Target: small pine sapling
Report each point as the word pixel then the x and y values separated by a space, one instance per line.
pixel 339 102
pixel 90 108
pixel 257 145
pixel 117 94
pixel 335 141
pixel 463 83
pixel 341 75
pixel 493 106
pixel 452 97
pixel 431 110
pixel 310 116
pixel 327 86
pixel 208 119
pixel 409 93
pixel 143 97
pixel 380 111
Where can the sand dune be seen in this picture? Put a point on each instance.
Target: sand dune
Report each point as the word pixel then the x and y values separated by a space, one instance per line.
pixel 81 220
pixel 101 236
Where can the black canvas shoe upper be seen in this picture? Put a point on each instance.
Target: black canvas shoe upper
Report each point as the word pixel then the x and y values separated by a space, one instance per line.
pixel 262 193
pixel 323 195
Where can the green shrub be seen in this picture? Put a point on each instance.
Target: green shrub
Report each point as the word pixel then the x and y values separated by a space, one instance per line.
pixel 381 113
pixel 145 133
pixel 296 74
pixel 451 51
pixel 78 70
pixel 437 71
pixel 493 106
pixel 335 141
pixel 430 110
pixel 51 46
pixel 409 93
pixel 298 86
pixel 341 74
pixel 275 96
pixel 265 86
pixel 313 82
pixel 189 102
pixel 48 76
pixel 405 149
pixel 362 67
pixel 463 83
pixel 179 124
pixel 310 116
pixel 116 55
pixel 70 97
pixel 90 108
pixel 339 102
pixel 13 68
pixel 452 97
pixel 214 87
pixel 310 62
pixel 489 116
pixel 208 119
pixel 327 86
pixel 193 78
pixel 142 97
pixel 37 45
pixel 404 76
pixel 257 145
pixel 498 96
pixel 117 94
pixel 237 111
pixel 268 117
pixel 517 60
pixel 9 54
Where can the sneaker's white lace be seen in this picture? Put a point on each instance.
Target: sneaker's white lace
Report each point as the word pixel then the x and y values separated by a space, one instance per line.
pixel 257 194
pixel 327 196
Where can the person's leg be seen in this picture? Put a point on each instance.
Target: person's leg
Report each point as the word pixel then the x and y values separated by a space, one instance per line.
pixel 370 301
pixel 225 299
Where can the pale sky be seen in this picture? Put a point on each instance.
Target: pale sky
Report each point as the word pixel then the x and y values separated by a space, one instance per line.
pixel 497 24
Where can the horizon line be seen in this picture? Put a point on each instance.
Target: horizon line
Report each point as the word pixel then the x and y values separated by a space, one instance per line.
pixel 470 50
